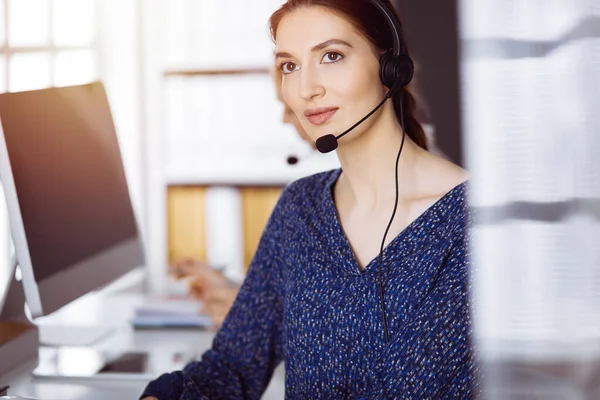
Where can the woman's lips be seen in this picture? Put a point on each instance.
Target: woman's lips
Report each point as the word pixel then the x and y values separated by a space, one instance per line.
pixel 321 117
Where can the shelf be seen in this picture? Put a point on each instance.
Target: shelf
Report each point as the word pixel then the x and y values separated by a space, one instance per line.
pixel 266 174
pixel 215 71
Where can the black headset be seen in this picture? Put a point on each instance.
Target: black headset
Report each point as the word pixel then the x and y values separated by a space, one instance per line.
pixel 396 68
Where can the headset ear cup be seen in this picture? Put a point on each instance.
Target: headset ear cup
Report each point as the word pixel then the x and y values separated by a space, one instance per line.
pixel 386 70
pixel 405 69
pixel 393 69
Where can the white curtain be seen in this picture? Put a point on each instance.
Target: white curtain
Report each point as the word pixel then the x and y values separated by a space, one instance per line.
pixel 531 112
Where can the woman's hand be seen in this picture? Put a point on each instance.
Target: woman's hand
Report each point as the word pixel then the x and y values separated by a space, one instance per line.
pixel 188 267
pixel 207 285
pixel 201 276
pixel 150 398
pixel 218 301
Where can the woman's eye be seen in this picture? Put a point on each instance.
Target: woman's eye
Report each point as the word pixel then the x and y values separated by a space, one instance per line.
pixel 288 67
pixel 331 57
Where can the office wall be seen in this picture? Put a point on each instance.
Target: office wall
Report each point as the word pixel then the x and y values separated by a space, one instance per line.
pixel 431 30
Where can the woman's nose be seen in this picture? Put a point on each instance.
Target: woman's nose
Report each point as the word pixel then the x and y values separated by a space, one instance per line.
pixel 310 85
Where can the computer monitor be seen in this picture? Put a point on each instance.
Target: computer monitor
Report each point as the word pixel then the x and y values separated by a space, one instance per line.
pixel 71 218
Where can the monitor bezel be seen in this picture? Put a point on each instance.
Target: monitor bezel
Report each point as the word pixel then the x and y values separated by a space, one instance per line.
pixel 17 230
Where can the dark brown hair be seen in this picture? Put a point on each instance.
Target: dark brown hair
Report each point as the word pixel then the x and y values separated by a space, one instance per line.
pixel 371 23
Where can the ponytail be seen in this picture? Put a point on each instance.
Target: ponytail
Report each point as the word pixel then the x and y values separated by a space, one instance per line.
pixel 413 127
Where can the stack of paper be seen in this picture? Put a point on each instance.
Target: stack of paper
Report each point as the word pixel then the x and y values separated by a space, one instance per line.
pixel 171 313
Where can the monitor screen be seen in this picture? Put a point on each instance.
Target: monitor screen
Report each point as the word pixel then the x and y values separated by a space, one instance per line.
pixel 68 176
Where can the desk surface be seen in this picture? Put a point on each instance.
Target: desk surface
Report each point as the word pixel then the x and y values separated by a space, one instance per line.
pixel 115 309
pixel 505 379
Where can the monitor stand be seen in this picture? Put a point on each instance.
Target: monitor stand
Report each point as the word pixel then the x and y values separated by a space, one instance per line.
pixel 69 333
pixel 72 335
pixel 19 337
pixel 50 333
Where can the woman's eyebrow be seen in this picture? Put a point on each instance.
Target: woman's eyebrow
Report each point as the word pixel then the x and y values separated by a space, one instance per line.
pixel 329 42
pixel 318 47
pixel 282 54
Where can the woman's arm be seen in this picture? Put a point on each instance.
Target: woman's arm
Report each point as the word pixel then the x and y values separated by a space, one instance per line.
pixel 248 347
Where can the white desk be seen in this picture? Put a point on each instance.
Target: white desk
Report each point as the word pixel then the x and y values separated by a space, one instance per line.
pixel 115 308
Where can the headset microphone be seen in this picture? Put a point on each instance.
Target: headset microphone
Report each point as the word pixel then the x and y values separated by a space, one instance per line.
pixel 328 143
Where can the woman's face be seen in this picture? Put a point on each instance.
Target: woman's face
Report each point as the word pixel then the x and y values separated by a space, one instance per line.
pixel 330 71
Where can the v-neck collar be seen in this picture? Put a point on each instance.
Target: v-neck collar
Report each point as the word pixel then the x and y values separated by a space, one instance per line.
pixel 435 213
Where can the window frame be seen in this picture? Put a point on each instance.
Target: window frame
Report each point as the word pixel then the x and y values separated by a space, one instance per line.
pixel 7 51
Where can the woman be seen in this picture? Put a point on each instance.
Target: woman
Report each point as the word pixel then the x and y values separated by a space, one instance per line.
pixel 207 284
pixel 311 295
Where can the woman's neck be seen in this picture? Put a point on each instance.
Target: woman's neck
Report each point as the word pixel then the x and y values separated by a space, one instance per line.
pixel 368 177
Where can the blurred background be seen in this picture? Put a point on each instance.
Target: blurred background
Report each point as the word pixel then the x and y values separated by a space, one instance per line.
pixel 510 91
pixel 530 89
pixel 200 128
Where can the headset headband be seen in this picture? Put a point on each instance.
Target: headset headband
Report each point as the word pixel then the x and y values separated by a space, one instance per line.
pixel 393 23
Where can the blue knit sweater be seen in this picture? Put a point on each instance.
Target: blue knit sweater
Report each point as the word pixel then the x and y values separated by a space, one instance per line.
pixel 306 302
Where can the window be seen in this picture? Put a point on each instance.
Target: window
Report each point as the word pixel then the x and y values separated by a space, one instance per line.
pixel 47 43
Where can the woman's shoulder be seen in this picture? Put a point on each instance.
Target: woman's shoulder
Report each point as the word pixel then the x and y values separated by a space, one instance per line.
pixel 441 173
pixel 441 177
pixel 444 180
